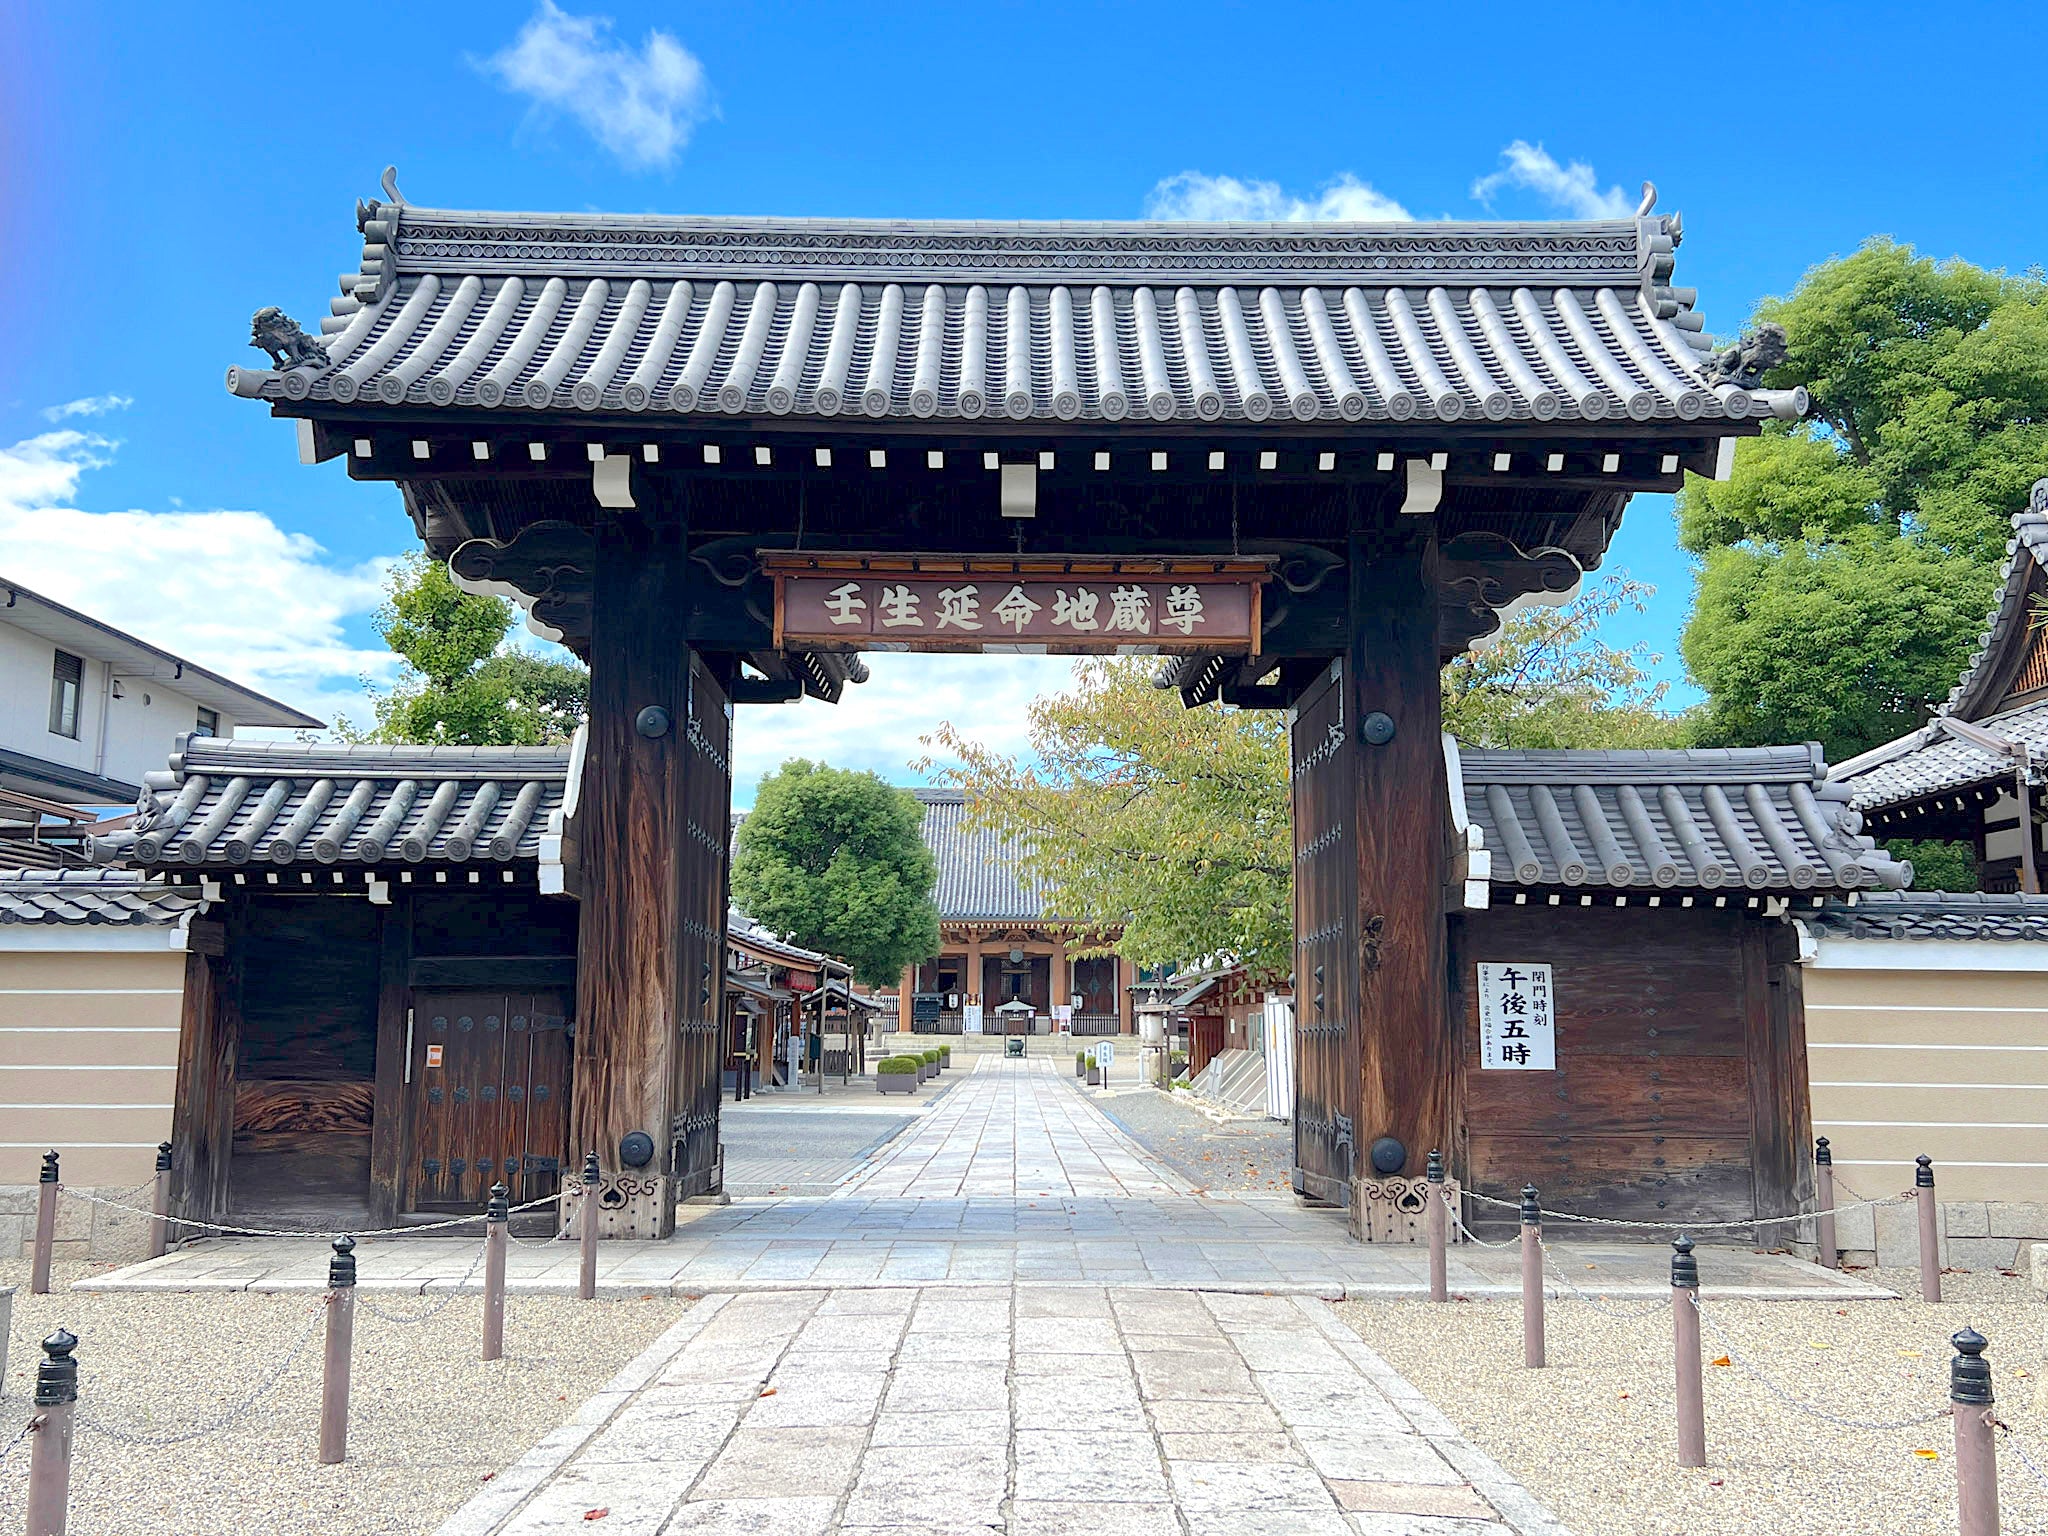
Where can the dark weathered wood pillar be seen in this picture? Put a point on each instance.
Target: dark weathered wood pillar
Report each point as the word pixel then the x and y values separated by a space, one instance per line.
pixel 631 820
pixel 1396 781
pixel 203 1100
pixel 391 1144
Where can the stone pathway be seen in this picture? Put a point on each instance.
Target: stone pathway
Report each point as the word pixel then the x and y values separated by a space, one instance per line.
pixel 1016 1410
pixel 1015 1130
pixel 1013 1176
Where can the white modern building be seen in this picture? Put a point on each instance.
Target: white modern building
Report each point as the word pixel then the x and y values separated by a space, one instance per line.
pixel 87 709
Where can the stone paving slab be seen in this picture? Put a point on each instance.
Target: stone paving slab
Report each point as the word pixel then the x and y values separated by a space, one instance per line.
pixel 1013 1177
pixel 1203 1415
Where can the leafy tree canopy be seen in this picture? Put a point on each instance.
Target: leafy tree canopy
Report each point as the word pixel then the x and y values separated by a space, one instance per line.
pixel 1136 813
pixel 836 861
pixel 1876 525
pixel 1174 825
pixel 459 686
pixel 1551 681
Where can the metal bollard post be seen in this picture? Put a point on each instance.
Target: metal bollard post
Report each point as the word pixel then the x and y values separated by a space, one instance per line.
pixel 1824 1202
pixel 160 1209
pixel 1532 1279
pixel 1930 1237
pixel 496 1219
pixel 46 1227
pixel 341 1335
pixel 1439 1289
pixel 1969 1391
pixel 49 1457
pixel 586 1286
pixel 1685 1337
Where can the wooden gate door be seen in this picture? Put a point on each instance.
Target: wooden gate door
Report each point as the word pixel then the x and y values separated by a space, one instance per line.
pixel 489 1077
pixel 700 922
pixel 1326 946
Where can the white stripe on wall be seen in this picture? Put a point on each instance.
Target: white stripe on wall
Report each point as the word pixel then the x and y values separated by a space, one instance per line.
pixel 1873 1045
pixel 92 991
pixel 73 1146
pixel 1851 1162
pixel 2001 1087
pixel 1921 1008
pixel 166 1067
pixel 1943 1125
pixel 84 1106
pixel 88 1029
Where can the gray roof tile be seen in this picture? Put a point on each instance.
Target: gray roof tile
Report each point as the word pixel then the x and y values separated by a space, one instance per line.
pixel 980 875
pixel 1168 322
pixel 122 898
pixel 1754 818
pixel 1929 761
pixel 237 802
pixel 1934 915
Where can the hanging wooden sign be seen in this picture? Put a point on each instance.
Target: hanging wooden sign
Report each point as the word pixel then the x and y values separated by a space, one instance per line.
pixel 934 603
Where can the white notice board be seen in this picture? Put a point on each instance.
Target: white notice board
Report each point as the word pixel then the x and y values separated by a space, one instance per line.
pixel 970 1019
pixel 1105 1052
pixel 1517 1018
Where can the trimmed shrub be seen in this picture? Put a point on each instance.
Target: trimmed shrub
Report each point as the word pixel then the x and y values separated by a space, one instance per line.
pixel 897 1066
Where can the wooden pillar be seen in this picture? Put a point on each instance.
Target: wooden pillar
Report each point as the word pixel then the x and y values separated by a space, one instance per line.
pixel 1126 1010
pixel 633 835
pixel 203 1104
pixel 906 994
pixel 1062 974
pixel 391 1105
pixel 1396 784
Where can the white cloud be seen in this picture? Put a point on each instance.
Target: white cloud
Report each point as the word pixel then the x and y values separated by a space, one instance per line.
pixel 1193 195
pixel 641 106
pixel 1572 188
pixel 876 725
pixel 228 589
pixel 90 405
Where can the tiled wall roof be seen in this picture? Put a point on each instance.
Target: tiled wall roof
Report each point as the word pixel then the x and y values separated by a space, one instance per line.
pixel 117 897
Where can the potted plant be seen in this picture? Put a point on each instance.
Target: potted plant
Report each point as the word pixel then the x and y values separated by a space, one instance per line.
pixel 1094 1072
pixel 931 1064
pixel 945 1058
pixel 1080 1063
pixel 896 1074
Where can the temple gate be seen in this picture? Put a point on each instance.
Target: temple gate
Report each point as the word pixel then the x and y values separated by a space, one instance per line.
pixel 1303 464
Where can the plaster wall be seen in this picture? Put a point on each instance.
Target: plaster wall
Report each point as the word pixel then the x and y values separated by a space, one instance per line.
pixel 1918 1046
pixel 88 1057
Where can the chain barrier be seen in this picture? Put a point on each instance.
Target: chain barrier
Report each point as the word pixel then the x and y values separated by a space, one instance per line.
pixel 1678 1226
pixel 1728 1349
pixel 1598 1304
pixel 20 1435
pixel 363 1303
pixel 1470 1235
pixel 232 1231
pixel 227 1416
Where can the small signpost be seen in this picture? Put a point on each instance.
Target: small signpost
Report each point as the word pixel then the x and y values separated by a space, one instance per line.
pixel 1517 1018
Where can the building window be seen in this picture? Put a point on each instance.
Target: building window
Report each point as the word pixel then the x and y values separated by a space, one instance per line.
pixel 65 679
pixel 209 722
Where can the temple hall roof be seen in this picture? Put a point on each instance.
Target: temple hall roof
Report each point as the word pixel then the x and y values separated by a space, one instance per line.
pixel 816 319
pixel 2003 688
pixel 979 875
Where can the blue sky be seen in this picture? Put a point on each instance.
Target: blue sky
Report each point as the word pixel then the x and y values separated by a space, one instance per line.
pixel 166 170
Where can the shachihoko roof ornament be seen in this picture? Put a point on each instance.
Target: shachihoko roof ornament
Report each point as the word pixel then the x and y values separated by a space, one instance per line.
pixel 1241 323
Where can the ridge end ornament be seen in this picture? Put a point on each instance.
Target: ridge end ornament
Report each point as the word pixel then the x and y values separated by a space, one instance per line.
pixel 273 331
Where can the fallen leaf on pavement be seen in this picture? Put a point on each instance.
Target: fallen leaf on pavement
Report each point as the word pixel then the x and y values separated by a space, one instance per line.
pixel 1721 1360
pixel 596 1514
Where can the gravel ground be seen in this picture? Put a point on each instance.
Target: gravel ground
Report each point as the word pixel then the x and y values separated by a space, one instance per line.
pixel 1593 1434
pixel 429 1421
pixel 1234 1155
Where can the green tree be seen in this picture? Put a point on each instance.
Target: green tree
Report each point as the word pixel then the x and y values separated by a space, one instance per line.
pixel 460 685
pixel 1551 681
pixel 836 861
pixel 1138 814
pixel 1847 562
